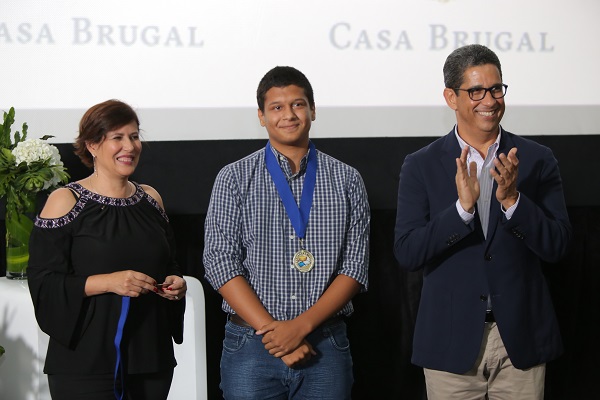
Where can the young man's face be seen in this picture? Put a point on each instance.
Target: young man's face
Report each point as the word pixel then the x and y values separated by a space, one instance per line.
pixel 287 116
pixel 480 117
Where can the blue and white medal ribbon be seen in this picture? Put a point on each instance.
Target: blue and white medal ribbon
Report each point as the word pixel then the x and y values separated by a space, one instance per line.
pixel 303 260
pixel 119 374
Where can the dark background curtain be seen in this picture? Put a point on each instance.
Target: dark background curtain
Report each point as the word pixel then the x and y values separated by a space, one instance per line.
pixel 382 326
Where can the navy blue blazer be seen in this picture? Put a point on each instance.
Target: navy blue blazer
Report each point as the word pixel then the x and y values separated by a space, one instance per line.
pixel 460 267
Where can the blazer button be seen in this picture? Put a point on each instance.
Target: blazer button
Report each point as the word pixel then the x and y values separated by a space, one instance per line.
pixel 483 298
pixel 488 257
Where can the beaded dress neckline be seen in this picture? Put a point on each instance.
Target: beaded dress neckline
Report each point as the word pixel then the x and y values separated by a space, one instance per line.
pixel 112 201
pixel 86 195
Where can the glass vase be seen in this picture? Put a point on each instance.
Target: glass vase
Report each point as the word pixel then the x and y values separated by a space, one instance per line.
pixel 18 230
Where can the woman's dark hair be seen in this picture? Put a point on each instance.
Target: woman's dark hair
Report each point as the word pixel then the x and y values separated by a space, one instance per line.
pixel 98 121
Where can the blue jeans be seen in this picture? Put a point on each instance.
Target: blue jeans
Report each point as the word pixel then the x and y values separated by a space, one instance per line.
pixel 248 371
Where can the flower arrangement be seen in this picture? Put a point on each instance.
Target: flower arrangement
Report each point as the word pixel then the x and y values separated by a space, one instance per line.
pixel 27 167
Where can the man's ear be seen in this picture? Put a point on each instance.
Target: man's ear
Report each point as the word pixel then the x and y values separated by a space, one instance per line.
pixel 261 118
pixel 450 96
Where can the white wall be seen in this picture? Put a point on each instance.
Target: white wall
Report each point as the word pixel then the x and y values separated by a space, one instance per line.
pixel 191 67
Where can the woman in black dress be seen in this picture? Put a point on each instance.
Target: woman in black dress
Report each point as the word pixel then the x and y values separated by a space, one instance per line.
pixel 99 251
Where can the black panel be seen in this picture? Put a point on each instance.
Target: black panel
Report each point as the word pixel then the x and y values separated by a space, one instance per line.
pixel 184 172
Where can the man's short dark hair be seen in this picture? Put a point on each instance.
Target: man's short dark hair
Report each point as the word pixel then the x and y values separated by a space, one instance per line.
pixel 282 77
pixel 464 58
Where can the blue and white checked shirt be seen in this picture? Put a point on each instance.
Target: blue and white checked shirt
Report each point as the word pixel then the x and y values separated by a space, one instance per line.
pixel 248 232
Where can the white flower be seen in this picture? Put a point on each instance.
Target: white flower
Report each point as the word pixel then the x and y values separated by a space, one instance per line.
pixel 32 150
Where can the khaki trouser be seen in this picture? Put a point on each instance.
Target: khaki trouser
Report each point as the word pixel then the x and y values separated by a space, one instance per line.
pixel 493 377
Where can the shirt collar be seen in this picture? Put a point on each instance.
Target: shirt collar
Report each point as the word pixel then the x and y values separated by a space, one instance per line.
pixel 285 164
pixel 462 143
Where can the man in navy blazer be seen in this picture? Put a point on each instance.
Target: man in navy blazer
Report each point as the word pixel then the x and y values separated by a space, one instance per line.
pixel 478 211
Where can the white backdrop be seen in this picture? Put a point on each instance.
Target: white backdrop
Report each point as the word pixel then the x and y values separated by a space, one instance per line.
pixel 191 67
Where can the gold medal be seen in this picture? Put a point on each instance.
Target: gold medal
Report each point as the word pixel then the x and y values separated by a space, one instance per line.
pixel 303 261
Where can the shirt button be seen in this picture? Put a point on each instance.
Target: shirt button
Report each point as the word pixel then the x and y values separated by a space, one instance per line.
pixel 292 236
pixel 293 297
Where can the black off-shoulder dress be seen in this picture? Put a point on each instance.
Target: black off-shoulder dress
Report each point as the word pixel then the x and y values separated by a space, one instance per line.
pixel 103 235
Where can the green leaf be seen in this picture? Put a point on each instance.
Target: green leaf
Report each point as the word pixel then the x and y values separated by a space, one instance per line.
pixel 9 119
pixel 8 155
pixel 24 129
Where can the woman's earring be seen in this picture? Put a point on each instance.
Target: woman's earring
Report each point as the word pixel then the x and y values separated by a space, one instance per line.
pixel 94 160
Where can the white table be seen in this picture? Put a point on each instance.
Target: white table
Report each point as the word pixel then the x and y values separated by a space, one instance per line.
pixel 21 367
